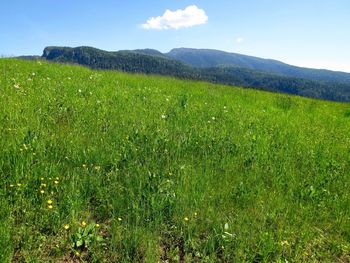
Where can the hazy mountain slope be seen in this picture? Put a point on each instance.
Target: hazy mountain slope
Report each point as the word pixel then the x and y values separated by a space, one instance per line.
pixel 277 83
pixel 211 58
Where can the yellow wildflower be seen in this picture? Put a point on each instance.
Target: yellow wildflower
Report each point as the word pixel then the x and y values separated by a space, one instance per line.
pixel 186 219
pixel 42 191
pixel 285 243
pixel 97 225
pixel 83 223
pixel 50 206
pixel 49 202
pixel 56 182
pixel 66 227
pixel 120 219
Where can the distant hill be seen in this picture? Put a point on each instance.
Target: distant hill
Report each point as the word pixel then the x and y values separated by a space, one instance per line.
pixel 205 68
pixel 30 57
pixel 205 58
pixel 150 52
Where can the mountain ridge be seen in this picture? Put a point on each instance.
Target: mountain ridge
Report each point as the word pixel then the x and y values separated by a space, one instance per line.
pixel 245 74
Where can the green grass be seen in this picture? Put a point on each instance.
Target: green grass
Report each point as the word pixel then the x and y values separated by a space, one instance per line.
pixel 170 170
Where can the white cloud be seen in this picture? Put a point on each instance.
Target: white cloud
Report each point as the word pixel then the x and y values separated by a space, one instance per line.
pixel 239 40
pixel 188 17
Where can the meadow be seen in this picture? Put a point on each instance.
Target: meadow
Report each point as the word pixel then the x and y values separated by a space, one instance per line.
pixel 102 166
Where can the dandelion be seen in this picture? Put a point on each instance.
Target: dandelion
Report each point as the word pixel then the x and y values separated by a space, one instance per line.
pixel 79 90
pixel 66 227
pixel 49 202
pixel 186 219
pixel 11 185
pixel 84 166
pixel 49 206
pixel 83 224
pixel 33 74
pixel 195 213
pixel 97 225
pixel 120 219
pixel 43 185
pixel 57 178
pixel 42 178
pixel 42 191
pixel 56 182
pixel 97 168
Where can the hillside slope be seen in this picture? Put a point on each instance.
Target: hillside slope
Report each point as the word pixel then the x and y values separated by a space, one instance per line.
pixel 111 167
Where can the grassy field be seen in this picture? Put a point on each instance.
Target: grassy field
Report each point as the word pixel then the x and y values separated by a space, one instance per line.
pixel 110 167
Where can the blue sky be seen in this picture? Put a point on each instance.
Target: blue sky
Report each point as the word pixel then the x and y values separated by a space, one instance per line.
pixel 312 33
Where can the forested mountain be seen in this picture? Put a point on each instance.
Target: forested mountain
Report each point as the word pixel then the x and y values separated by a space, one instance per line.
pixel 129 61
pixel 211 58
pixel 150 61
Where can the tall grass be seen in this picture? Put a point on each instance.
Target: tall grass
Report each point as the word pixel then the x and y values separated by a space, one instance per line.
pixel 109 167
